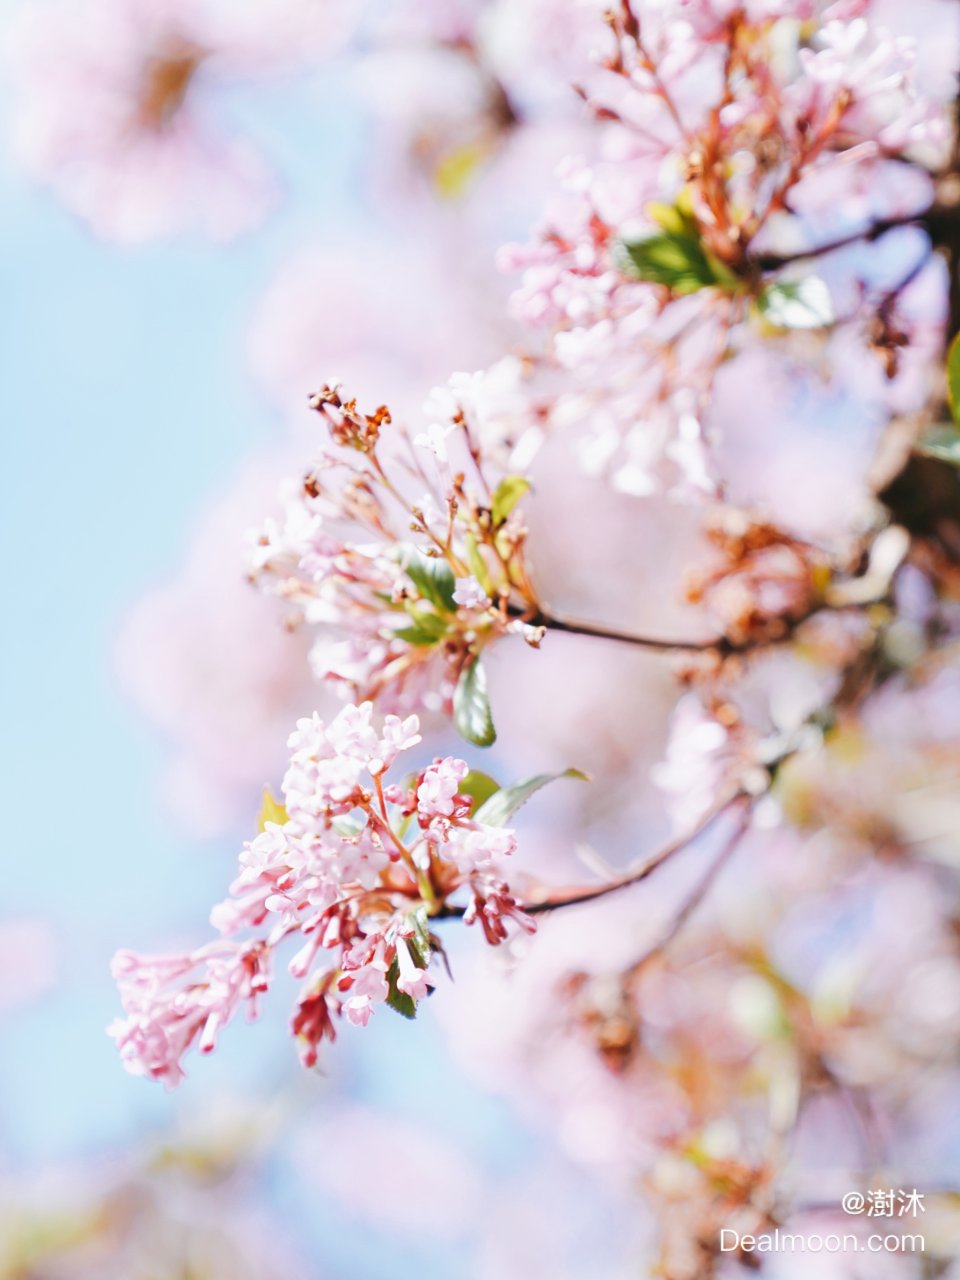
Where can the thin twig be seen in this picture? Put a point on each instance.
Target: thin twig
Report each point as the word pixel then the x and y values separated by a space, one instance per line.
pixel 722 645
pixel 935 220
pixel 696 895
pixel 554 623
pixel 578 896
pixel 892 295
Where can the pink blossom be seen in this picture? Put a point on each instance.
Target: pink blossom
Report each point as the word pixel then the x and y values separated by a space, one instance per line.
pixel 384 605
pixel 470 594
pixel 349 875
pixel 117 108
pixel 478 848
pixel 638 362
pixel 697 765
pixel 28 958
pixel 438 788
pixel 492 906
pixel 333 311
pixel 538 48
pixel 496 406
pixel 313 1022
pixel 222 707
pixel 328 762
pixel 413 980
pixel 362 990
pixel 398 735
pixel 170 1007
pixel 469 127
pixel 366 1140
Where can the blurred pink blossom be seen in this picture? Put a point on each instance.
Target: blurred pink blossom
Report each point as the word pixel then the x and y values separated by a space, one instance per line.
pixel 28 960
pixel 208 659
pixel 395 314
pixel 117 106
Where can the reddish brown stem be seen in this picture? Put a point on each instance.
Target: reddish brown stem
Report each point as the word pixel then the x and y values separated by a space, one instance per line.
pixel 573 897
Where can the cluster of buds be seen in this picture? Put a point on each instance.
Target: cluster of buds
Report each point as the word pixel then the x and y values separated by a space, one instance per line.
pixel 408 590
pixel 762 580
pixel 352 865
pixel 722 125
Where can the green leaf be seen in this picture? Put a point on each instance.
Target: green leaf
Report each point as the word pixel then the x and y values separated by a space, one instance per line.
pixel 420 940
pixel 479 786
pixel 506 496
pixel 432 577
pixel 471 706
pixel 426 627
pixel 797 304
pixel 415 635
pixel 397 999
pixel 427 620
pixel 679 260
pixel 942 443
pixel 674 218
pixel 677 217
pixel 271 810
pixel 500 808
pixel 953 378
pixel 478 566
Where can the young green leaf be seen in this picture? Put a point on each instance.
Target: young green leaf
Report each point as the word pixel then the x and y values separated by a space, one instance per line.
pixel 478 566
pixel 671 258
pixel 420 939
pixel 675 217
pixel 501 807
pixel 953 378
pixel 425 628
pixel 506 496
pixel 672 218
pixel 397 999
pixel 471 706
pixel 797 304
pixel 433 578
pixel 677 257
pixel 479 787
pixel 416 635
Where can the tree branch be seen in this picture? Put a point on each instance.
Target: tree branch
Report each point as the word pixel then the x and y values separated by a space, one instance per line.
pixel 696 895
pixel 553 623
pixel 575 897
pixel 941 222
pixel 721 645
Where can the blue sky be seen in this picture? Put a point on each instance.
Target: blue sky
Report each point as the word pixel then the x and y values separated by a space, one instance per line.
pixel 125 409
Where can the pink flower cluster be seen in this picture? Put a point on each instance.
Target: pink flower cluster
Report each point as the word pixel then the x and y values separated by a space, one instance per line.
pixel 400 619
pixel 355 868
pixel 335 577
pixel 721 122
